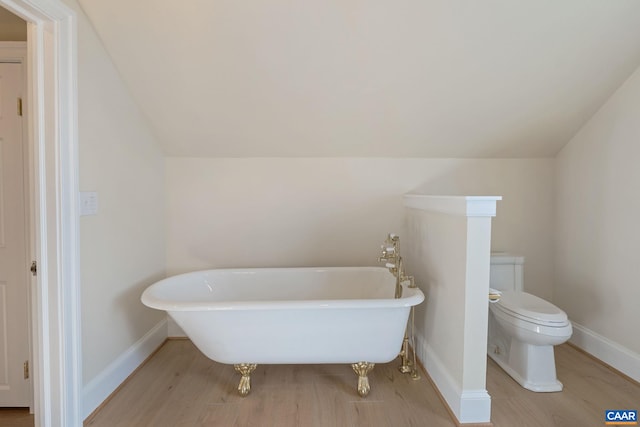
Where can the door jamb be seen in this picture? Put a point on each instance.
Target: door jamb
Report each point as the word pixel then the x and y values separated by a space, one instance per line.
pixel 52 140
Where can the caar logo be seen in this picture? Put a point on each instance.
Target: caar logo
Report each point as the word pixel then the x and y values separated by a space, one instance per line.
pixel 619 417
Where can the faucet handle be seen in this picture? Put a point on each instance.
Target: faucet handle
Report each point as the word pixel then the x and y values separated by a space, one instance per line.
pixel 411 279
pixel 388 254
pixel 388 250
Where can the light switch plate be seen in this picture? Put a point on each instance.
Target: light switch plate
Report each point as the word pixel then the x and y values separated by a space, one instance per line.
pixel 88 203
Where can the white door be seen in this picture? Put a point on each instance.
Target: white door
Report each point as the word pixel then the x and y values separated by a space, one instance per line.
pixel 14 279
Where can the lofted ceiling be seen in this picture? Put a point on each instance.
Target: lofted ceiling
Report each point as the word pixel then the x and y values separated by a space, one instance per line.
pixel 12 27
pixel 402 78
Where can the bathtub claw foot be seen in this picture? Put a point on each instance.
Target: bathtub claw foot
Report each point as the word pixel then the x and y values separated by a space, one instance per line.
pixel 245 369
pixel 363 369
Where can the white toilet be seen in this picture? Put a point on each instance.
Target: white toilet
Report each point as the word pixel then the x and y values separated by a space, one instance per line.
pixel 524 328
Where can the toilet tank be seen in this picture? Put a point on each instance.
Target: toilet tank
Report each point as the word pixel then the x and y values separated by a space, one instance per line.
pixel 507 272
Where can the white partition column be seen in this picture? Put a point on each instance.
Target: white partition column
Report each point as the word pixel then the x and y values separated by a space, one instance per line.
pixel 448 248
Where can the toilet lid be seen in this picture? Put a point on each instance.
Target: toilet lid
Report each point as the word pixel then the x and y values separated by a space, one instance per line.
pixel 531 308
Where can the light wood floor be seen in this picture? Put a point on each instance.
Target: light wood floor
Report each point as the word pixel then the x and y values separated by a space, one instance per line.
pixel 181 387
pixel 15 417
pixel 590 388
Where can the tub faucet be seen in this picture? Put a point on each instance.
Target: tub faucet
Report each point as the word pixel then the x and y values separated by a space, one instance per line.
pixel 390 249
pixel 391 255
pixel 401 277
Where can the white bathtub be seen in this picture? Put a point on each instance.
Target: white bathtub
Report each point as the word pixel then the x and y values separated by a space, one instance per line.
pixel 289 315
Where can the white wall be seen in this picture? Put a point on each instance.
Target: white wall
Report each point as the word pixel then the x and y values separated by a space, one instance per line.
pixel 336 211
pixel 447 249
pixel 122 247
pixel 410 78
pixel 436 256
pixel 598 206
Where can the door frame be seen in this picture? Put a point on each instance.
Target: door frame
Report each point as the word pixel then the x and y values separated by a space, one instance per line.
pixel 53 171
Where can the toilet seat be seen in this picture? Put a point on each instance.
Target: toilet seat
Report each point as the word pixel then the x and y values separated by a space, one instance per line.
pixel 530 308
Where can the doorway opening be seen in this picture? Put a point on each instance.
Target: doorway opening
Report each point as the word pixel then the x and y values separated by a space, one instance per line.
pixel 15 330
pixel 53 173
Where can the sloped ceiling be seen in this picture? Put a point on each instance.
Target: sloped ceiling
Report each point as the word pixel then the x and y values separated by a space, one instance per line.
pixel 401 78
pixel 12 27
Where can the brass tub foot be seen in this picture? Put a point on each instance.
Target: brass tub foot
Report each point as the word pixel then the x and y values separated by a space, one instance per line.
pixel 245 369
pixel 363 369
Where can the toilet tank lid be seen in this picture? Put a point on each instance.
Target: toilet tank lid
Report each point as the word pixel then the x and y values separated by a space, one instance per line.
pixel 506 258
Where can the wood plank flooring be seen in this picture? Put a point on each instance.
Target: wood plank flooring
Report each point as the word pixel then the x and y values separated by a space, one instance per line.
pixel 590 388
pixel 15 417
pixel 181 387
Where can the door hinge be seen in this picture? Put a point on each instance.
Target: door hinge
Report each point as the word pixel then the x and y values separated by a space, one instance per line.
pixel 26 370
pixel 34 268
pixel 20 106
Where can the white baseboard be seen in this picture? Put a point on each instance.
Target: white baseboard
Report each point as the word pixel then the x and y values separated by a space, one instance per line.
pixel 610 352
pixel 469 406
pixel 106 382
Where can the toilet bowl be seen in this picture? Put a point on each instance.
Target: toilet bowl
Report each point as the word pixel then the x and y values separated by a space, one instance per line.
pixel 523 329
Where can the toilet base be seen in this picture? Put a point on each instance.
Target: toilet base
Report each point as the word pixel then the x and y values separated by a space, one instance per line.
pixel 531 366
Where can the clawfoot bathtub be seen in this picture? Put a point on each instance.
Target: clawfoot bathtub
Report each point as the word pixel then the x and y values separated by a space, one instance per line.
pixel 246 317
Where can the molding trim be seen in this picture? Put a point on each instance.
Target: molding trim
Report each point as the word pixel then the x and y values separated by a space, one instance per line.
pixel 610 352
pixel 14 51
pixel 468 406
pixel 53 141
pixel 469 206
pixel 106 382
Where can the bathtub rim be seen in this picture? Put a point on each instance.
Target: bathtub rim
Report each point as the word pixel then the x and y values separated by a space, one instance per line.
pixel 410 296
